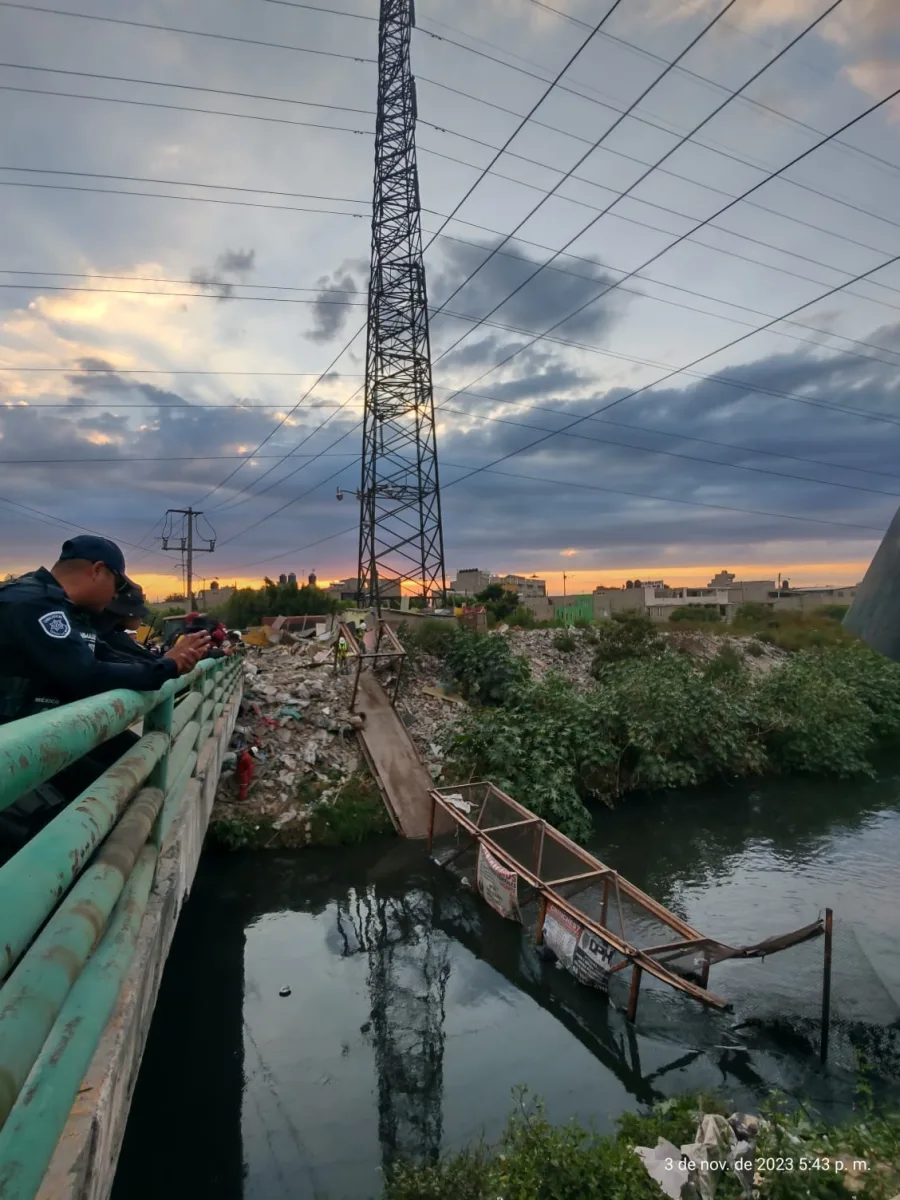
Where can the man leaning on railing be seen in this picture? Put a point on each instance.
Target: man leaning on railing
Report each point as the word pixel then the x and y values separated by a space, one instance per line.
pixel 50 653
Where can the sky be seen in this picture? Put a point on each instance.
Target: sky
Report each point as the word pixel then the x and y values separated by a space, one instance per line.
pixel 184 258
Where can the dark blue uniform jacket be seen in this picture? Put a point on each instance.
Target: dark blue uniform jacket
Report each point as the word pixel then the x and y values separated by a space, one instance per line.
pixel 50 652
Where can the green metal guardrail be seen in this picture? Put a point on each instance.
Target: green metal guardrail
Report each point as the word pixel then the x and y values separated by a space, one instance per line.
pixel 70 912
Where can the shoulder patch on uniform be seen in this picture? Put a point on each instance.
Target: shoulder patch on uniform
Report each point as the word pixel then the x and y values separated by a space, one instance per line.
pixel 55 624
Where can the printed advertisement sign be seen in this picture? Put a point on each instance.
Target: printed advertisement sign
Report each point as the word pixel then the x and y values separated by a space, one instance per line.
pixel 586 956
pixel 497 885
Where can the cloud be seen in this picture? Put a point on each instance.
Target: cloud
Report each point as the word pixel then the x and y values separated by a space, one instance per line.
pixel 877 77
pixel 330 315
pixel 230 262
pixel 570 553
pixel 540 303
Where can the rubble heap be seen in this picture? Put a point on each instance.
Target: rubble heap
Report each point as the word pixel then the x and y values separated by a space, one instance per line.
pixel 296 724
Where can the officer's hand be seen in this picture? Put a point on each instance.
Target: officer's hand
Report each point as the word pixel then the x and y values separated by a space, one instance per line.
pixel 189 651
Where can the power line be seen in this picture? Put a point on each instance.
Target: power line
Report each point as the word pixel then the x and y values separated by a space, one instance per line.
pixel 220 187
pixel 67 461
pixel 453 212
pixel 767 108
pixel 556 483
pixel 671 374
pixel 554 83
pixel 677 145
pixel 680 239
pixel 552 192
pixel 643 162
pixel 187 407
pixel 211 112
pixel 331 12
pixel 464 137
pixel 603 33
pixel 77 370
pixel 468 413
pixel 735 382
pixel 675 454
pixel 594 487
pixel 74 525
pixel 266 287
pixel 71 187
pixel 183 87
pixel 220 37
pixel 520 258
pixel 46 287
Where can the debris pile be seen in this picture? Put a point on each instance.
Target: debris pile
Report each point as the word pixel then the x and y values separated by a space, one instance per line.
pixel 294 743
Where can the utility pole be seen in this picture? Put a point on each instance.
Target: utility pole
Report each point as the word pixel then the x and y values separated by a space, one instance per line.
pixel 187 545
pixel 401 538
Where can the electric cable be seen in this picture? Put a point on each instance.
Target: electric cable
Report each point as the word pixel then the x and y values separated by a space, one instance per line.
pixel 446 221
pixel 677 146
pixel 203 33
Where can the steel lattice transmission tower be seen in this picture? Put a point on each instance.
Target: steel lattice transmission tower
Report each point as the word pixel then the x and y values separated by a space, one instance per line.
pixel 400 535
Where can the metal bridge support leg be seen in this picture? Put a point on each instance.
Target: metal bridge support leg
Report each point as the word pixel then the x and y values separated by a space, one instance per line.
pixel 636 973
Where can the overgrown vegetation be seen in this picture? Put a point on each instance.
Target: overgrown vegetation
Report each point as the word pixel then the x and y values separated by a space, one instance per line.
pixel 660 719
pixel 248 606
pixel 793 630
pixel 353 814
pixel 629 634
pixel 696 614
pixel 537 1160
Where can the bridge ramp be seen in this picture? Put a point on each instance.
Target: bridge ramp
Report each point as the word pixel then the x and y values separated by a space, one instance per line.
pixel 402 778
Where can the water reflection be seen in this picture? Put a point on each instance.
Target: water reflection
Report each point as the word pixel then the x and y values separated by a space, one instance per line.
pixel 414 1009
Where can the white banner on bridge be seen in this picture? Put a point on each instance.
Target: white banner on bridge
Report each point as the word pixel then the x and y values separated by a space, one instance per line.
pixel 498 886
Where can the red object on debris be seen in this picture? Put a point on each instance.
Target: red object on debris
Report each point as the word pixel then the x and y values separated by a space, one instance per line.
pixel 246 766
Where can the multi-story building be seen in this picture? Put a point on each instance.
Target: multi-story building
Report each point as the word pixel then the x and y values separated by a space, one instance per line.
pixel 470 582
pixel 526 587
pixel 348 589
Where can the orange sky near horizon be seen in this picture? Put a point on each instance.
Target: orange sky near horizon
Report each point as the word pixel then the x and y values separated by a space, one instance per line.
pixel 805 575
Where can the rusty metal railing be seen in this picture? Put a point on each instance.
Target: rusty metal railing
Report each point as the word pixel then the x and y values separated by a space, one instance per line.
pixel 372 655
pixel 73 898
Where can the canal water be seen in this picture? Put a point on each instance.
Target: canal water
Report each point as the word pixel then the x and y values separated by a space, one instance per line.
pixel 414 1011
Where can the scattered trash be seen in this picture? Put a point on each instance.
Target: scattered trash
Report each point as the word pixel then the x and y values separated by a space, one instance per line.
pixel 287 712
pixel 442 692
pixel 246 767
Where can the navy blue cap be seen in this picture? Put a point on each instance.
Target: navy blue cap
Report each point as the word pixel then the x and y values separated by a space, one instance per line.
pixel 92 549
pixel 128 602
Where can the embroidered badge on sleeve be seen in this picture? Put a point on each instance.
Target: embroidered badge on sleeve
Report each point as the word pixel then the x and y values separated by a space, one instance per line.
pixel 55 624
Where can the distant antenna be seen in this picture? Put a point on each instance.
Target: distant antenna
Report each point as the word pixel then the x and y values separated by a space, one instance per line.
pixel 400 536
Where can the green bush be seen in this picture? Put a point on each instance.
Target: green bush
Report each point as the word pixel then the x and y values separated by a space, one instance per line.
pixel 430 637
pixel 353 815
pixel 667 722
pixel 792 630
pixel 536 1160
pixel 565 642
pixel 696 614
pixel 727 664
pixel 630 634
pixel 483 666
pixel 834 612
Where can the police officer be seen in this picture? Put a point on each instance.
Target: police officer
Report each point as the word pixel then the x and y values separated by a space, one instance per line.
pixel 122 617
pixel 48 638
pixel 49 656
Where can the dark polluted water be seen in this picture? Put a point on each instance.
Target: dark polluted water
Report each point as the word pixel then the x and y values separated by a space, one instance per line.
pixel 414 1011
